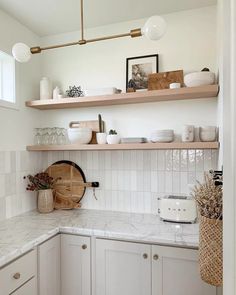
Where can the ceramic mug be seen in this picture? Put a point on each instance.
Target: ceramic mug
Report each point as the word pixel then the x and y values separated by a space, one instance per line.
pixel 101 137
pixel 188 133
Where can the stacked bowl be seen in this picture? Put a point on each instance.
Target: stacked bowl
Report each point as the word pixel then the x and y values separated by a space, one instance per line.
pixel 162 135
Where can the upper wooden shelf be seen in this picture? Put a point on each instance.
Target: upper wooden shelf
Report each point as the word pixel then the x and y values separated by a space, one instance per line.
pixel 137 146
pixel 127 98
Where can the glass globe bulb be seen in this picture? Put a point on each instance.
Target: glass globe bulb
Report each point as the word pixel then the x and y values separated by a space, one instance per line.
pixel 154 28
pixel 21 52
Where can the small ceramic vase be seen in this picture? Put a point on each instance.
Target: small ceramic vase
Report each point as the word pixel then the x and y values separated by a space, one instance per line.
pixel 45 201
pixel 113 139
pixel 101 138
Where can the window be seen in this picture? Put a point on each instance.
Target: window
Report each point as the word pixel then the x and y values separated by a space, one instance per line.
pixel 7 80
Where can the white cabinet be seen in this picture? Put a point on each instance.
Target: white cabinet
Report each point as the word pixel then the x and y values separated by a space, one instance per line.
pixel 175 271
pixel 75 265
pixel 122 268
pixel 49 267
pixel 138 269
pixel 16 274
pixel 30 288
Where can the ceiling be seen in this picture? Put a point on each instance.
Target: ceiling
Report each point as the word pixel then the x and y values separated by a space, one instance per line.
pixel 48 17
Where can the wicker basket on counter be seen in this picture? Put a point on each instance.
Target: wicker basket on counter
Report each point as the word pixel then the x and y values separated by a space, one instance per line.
pixel 211 251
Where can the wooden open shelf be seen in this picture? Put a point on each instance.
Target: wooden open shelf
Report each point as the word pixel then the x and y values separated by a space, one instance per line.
pixel 137 146
pixel 127 98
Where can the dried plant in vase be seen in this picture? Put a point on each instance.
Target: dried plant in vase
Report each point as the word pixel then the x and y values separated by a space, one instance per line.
pixel 209 198
pixel 43 184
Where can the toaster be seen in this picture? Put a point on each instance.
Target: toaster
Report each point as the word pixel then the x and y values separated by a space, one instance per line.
pixel 178 209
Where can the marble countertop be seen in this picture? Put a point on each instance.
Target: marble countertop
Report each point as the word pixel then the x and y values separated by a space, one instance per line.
pixel 21 233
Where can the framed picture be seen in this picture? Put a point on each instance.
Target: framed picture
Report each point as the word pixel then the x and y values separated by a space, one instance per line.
pixel 138 68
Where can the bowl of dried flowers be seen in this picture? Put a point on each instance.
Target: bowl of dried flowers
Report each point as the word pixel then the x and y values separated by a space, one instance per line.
pixel 43 184
pixel 209 198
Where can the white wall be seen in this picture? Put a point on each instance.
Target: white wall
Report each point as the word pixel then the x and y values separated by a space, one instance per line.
pixel 16 126
pixel 190 44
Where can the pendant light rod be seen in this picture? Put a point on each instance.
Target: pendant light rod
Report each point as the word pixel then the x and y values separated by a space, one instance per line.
pixel 82 18
pixel 133 34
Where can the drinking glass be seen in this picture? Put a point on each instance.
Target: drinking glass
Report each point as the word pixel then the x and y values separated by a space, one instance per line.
pixel 38 136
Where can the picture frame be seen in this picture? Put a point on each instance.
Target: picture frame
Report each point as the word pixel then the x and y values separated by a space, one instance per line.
pixel 139 67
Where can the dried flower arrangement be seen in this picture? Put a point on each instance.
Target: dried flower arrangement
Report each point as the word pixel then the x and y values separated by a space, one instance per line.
pixel 40 181
pixel 209 196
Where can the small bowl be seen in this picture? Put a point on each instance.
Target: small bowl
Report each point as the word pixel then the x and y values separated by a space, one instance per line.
pixel 80 135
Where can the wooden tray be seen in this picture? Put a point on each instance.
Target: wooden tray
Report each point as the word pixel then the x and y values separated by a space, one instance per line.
pixel 163 80
pixel 70 188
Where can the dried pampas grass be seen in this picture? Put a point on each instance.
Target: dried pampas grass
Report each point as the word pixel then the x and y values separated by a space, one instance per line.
pixel 209 198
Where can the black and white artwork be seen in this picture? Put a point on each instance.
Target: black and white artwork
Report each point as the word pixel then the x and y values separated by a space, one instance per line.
pixel 138 68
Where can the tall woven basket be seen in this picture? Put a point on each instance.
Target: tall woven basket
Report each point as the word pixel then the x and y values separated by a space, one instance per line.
pixel 211 251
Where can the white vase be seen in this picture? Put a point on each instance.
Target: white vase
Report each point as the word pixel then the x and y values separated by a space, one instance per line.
pixel 56 92
pixel 45 201
pixel 113 139
pixel 101 138
pixel 45 88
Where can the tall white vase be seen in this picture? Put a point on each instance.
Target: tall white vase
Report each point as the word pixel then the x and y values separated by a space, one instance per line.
pixel 45 88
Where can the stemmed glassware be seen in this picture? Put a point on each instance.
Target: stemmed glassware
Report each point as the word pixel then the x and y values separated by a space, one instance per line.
pixel 50 136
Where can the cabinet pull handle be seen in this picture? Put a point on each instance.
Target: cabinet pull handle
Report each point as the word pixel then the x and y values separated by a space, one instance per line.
pixel 145 256
pixel 155 257
pixel 16 276
pixel 84 246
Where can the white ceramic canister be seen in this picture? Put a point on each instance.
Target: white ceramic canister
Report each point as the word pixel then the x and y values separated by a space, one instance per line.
pixel 101 137
pixel 56 92
pixel 45 88
pixel 188 133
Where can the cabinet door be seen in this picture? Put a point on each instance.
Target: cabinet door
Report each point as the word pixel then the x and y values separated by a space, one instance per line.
pixel 122 268
pixel 176 271
pixel 30 288
pixel 49 267
pixel 75 265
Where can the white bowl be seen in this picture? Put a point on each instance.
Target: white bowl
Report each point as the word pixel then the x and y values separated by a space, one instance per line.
pixel 199 79
pixel 80 135
pixel 162 139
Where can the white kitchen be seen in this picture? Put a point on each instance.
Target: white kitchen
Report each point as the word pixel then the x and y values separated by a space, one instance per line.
pixel 116 136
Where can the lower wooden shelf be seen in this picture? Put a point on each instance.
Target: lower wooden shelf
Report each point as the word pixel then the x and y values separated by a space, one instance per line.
pixel 140 146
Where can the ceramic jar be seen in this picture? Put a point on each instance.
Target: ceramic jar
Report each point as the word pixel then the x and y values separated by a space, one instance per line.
pixel 208 133
pixel 45 88
pixel 188 133
pixel 101 137
pixel 45 201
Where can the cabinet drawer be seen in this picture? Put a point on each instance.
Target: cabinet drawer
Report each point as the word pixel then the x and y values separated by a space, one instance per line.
pixel 29 288
pixel 18 272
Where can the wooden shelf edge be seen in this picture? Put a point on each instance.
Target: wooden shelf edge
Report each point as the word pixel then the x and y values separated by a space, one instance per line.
pixel 127 98
pixel 140 146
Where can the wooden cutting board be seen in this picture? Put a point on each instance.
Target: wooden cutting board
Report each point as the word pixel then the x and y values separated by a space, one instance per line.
pixel 70 188
pixel 163 80
pixel 94 125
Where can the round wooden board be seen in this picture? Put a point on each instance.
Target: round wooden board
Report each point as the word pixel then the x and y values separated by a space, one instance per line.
pixel 69 189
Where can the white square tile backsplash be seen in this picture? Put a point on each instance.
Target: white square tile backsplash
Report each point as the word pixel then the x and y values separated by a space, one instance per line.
pixel 130 181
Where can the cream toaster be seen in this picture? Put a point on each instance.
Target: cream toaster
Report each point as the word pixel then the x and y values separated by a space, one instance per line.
pixel 178 209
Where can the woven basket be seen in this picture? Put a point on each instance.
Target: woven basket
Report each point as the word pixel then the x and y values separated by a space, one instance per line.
pixel 211 251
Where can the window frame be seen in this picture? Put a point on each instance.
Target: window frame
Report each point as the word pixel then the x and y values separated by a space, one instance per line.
pixel 4 103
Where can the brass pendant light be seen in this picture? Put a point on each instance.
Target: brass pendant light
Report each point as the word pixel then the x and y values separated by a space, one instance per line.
pixel 153 29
